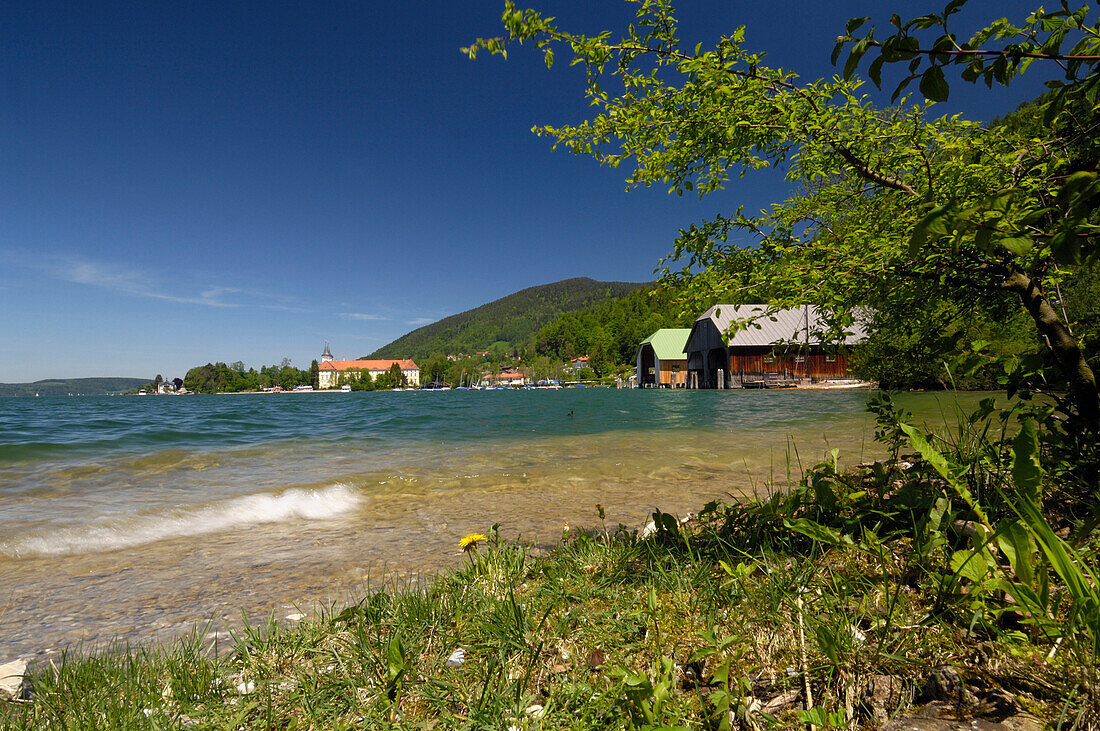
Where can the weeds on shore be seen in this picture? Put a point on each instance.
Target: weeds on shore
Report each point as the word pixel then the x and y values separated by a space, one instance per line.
pixel 841 602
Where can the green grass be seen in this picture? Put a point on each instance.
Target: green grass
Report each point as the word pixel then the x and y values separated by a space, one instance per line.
pixel 782 612
pixel 615 633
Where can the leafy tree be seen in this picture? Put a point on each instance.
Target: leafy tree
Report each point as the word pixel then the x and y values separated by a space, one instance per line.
pixel 895 209
pixel 612 328
pixel 398 377
pixel 600 357
pixel 464 371
pixel 1082 301
pixel 361 381
pixel 393 378
pixel 314 374
pixel 222 378
pixel 545 369
pixel 434 370
pixel 913 349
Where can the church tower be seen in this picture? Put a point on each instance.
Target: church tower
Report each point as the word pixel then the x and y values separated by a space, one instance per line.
pixel 327 355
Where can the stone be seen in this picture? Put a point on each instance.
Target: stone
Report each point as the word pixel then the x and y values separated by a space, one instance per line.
pixel 882 695
pixel 13 681
pixel 944 684
pixel 944 716
pixel 782 702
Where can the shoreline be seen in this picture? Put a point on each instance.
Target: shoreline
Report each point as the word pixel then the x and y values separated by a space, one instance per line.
pixel 644 601
pixel 532 469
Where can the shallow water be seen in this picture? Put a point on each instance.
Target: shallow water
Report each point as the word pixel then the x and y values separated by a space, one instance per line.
pixel 135 518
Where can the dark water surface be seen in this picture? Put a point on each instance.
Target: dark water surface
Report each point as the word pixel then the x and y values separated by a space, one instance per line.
pixel 135 518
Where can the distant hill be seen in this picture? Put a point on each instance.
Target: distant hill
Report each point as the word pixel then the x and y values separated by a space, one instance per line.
pixel 513 319
pixel 65 386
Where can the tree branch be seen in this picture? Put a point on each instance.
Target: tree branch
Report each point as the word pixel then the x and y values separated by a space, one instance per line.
pixel 867 173
pixel 993 54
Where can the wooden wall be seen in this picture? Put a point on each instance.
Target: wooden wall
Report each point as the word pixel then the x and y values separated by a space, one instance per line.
pixel 818 363
pixel 667 373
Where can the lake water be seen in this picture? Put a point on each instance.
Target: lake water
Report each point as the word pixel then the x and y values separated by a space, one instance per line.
pixel 135 518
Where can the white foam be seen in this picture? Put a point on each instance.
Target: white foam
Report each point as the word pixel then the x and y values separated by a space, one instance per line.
pixel 295 504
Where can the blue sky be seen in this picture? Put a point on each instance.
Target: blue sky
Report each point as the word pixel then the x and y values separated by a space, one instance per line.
pixel 200 181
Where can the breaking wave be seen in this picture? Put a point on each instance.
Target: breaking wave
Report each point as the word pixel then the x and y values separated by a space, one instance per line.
pixel 295 504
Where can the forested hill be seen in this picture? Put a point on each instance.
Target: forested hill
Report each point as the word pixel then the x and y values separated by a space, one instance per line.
pixel 66 386
pixel 511 321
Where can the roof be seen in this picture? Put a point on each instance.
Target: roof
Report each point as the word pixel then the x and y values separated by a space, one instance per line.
pixel 368 365
pixel 669 343
pixel 769 327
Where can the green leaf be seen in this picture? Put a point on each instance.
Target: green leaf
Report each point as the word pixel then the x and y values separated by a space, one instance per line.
pixel 854 57
pixel 1026 472
pixel 970 565
pixel 926 226
pixel 947 470
pixel 930 454
pixel 982 237
pixel 1075 184
pixel 1014 541
pixel 853 24
pixel 953 7
pixel 722 672
pixel 818 532
pixel 875 71
pixel 840 41
pixel 933 85
pixel 1066 248
pixel 828 643
pixel 1018 245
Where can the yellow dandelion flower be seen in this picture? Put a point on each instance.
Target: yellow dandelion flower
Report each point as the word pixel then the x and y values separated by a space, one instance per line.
pixel 471 540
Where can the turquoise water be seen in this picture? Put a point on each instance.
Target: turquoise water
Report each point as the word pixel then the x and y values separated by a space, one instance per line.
pixel 137 517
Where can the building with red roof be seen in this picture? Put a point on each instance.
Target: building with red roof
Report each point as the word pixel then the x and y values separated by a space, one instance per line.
pixel 332 373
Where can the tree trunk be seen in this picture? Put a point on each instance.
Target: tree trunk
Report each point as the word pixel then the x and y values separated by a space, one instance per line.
pixel 1067 353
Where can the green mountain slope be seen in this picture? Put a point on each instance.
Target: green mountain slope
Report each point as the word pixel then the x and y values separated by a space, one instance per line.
pixel 609 332
pixel 65 386
pixel 512 320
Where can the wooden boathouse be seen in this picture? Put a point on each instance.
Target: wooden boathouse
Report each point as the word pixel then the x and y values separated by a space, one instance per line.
pixel 752 346
pixel 661 362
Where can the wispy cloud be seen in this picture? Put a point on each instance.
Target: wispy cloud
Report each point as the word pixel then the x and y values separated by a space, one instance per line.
pixel 130 280
pixel 361 316
pixel 139 282
pixel 422 321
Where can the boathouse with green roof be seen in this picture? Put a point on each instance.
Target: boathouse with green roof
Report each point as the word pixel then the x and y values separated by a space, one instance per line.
pixel 661 360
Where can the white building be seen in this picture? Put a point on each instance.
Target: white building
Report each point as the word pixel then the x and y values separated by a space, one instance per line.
pixel 332 373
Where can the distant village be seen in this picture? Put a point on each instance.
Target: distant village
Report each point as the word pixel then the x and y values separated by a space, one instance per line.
pixel 727 347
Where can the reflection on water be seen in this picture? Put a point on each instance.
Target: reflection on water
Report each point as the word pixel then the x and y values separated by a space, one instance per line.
pixel 261 502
